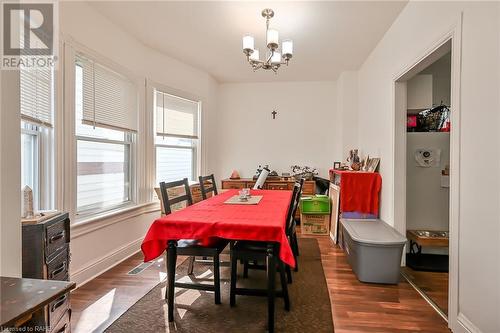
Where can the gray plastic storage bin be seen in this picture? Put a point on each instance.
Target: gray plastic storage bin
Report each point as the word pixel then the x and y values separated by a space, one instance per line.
pixel 374 250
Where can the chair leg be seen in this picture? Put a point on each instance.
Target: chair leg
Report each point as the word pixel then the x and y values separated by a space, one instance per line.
pixel 284 285
pixel 171 262
pixel 234 272
pixel 217 278
pixel 296 242
pixel 288 274
pixel 295 251
pixel 245 269
pixel 271 292
pixel 191 265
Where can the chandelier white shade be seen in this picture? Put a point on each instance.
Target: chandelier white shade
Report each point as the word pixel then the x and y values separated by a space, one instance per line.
pixel 287 47
pixel 272 38
pixel 248 42
pixel 255 55
pixel 273 59
pixel 276 58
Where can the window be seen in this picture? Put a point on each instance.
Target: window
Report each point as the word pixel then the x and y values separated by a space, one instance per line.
pixel 36 106
pixel 30 169
pixel 176 139
pixel 106 120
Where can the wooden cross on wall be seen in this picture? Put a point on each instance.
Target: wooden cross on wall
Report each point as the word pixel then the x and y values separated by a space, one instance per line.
pixel 274 113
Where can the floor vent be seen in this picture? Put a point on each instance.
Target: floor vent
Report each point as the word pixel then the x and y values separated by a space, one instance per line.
pixel 140 268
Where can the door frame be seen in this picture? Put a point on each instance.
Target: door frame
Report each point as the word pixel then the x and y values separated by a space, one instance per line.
pixel 451 40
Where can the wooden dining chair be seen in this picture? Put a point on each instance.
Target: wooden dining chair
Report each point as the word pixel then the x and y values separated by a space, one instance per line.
pixel 212 187
pixel 291 228
pixel 251 251
pixel 290 232
pixel 190 247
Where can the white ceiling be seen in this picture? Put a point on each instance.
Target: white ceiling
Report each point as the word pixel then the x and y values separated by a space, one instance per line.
pixel 329 37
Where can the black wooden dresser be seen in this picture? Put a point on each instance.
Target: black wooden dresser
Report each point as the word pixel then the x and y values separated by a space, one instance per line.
pixel 46 255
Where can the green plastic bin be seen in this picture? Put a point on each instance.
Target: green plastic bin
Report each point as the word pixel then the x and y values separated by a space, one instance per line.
pixel 318 204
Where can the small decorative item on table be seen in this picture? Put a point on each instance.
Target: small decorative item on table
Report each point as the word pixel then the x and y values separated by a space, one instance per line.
pixel 235 175
pixel 303 172
pixel 372 165
pixel 242 195
pixel 354 159
pixel 28 211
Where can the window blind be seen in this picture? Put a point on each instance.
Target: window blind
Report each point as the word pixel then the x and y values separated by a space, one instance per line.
pixel 176 116
pixel 109 98
pixel 36 95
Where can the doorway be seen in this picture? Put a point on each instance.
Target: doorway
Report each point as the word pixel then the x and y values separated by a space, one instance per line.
pixel 426 141
pixel 427 180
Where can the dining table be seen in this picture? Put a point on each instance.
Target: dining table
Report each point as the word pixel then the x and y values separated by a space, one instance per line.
pixel 218 217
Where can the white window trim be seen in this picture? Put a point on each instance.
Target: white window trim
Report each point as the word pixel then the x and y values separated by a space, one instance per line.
pixel 67 159
pixel 151 86
pixel 44 186
pixel 37 188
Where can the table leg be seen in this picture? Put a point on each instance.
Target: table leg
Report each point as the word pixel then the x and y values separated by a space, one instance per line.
pixel 171 262
pixel 234 272
pixel 217 278
pixel 284 287
pixel 271 287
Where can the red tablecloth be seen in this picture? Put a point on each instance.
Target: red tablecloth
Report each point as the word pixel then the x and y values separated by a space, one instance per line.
pixel 359 191
pixel 212 218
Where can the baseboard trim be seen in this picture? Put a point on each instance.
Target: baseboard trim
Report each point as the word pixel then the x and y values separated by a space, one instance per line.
pixel 101 265
pixel 466 324
pixel 331 237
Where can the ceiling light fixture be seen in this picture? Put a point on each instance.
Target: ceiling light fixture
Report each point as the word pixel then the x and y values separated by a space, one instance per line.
pixel 272 59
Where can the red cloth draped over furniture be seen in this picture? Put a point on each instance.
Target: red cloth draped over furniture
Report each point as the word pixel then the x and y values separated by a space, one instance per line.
pixel 211 218
pixel 359 191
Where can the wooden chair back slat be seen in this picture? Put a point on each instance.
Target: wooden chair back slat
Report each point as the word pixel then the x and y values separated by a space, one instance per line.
pixel 211 188
pixel 167 202
pixel 294 204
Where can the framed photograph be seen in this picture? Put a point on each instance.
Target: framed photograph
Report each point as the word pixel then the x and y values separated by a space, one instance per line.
pixel 373 164
pixel 336 165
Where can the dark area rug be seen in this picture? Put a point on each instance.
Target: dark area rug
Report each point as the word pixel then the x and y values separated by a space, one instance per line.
pixel 196 311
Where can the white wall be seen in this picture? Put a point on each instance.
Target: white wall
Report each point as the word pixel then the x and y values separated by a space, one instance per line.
pixel 94 247
pixel 427 203
pixel 347 110
pixel 304 131
pixel 10 170
pixel 419 26
pixel 419 92
pixel 441 80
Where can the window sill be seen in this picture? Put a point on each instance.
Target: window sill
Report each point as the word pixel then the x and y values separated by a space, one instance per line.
pixel 86 225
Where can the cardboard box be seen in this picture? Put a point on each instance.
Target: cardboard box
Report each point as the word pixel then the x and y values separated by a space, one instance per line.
pixel 315 224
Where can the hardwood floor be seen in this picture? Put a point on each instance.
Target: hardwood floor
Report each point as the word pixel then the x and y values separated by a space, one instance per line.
pixel 433 284
pixel 356 306
pixel 366 307
pixel 98 303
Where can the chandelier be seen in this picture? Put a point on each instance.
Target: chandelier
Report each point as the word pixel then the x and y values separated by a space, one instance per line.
pixel 273 59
